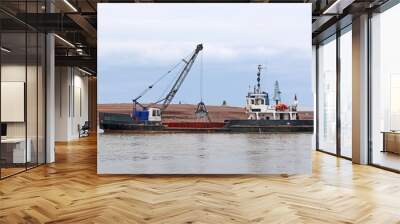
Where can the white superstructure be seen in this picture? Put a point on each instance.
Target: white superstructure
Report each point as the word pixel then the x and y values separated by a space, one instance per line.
pixel 258 106
pixel 154 114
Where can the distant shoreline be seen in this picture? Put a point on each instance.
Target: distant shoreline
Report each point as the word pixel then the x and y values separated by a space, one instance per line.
pixel 185 112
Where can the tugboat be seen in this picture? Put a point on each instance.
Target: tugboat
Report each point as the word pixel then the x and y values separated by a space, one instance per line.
pixel 258 106
pixel 265 117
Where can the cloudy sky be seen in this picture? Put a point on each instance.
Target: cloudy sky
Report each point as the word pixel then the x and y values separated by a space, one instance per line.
pixel 137 43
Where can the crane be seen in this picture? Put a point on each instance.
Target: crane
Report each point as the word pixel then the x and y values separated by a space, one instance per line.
pixel 154 114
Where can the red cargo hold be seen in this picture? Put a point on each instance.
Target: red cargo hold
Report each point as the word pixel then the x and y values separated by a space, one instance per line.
pixel 194 125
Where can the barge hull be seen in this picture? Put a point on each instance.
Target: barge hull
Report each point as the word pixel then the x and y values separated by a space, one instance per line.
pixel 111 122
pixel 304 126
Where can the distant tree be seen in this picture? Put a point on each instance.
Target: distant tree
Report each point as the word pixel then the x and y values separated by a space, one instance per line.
pixel 224 103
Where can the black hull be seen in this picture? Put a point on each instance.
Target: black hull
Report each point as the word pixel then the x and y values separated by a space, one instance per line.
pixel 305 126
pixel 110 122
pixel 123 122
pixel 132 127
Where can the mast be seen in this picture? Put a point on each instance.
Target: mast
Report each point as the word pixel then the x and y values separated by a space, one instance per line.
pixel 295 102
pixel 259 78
pixel 277 93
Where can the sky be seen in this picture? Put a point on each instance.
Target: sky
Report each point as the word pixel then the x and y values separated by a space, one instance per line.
pixel 138 43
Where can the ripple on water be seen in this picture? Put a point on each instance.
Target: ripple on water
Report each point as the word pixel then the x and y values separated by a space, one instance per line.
pixel 205 153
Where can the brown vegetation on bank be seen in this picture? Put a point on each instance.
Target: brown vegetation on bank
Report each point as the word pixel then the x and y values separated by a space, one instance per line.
pixel 186 112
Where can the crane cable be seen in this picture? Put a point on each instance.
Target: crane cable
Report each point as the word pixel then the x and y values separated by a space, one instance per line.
pixel 201 110
pixel 157 81
pixel 169 86
pixel 201 77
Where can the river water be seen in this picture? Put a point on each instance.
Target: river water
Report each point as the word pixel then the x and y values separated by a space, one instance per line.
pixel 215 153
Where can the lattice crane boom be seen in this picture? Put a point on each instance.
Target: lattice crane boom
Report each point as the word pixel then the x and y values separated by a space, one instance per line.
pixel 185 71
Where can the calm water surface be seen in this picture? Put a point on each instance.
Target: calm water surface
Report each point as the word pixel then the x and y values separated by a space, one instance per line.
pixel 215 153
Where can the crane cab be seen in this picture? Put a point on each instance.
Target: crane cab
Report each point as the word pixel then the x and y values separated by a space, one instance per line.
pixel 154 114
